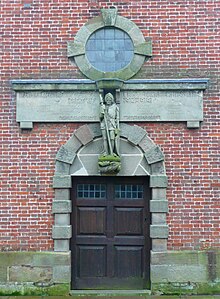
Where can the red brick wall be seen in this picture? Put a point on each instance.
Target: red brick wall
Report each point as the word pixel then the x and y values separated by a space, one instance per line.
pixel 186 44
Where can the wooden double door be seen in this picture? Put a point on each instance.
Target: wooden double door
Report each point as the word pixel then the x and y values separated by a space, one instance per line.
pixel 110 244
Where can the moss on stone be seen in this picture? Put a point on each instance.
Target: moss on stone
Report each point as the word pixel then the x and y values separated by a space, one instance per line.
pixel 30 290
pixel 109 158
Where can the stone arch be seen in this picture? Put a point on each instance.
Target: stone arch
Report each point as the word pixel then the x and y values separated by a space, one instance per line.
pixel 136 143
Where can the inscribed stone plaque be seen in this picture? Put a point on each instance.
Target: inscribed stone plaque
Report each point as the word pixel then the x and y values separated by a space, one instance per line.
pixel 57 106
pixel 168 105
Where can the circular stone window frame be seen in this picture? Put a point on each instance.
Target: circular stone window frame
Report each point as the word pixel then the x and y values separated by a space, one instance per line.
pixel 109 18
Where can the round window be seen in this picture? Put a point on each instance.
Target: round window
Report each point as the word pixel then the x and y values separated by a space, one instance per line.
pixel 109 49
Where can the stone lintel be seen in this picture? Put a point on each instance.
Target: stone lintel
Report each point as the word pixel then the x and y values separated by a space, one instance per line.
pixel 159 206
pixel 62 232
pixel 61 206
pixel 158 181
pixel 159 231
pixel 64 181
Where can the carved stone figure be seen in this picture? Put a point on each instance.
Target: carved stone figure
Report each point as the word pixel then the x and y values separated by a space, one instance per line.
pixel 109 119
pixel 109 161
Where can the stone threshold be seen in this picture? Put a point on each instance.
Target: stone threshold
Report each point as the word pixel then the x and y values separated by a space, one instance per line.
pixel 112 293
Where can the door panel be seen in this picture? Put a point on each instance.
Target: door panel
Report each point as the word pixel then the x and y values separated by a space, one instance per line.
pixel 110 245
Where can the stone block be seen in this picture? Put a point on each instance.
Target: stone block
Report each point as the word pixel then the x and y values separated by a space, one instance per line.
pixel 73 144
pixel 61 245
pixel 154 155
pixel 159 245
pixel 109 16
pixel 158 218
pixel 65 155
pixel 51 259
pixel 61 206
pixel 62 232
pixel 159 193
pixel 74 48
pixel 158 168
pixel 64 181
pixel 28 125
pixel 193 124
pixel 62 219
pixel 146 144
pixel 62 168
pixel 62 274
pixel 158 181
pixel 3 274
pixel 179 258
pixel 95 129
pixel 135 134
pixel 159 206
pixel 178 274
pixel 62 194
pixel 84 134
pixel 29 274
pixel 159 231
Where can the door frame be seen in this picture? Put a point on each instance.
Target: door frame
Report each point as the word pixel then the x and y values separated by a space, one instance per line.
pixel 62 183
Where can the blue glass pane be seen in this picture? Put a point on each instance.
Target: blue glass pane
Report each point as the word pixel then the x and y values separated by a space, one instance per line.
pixel 109 49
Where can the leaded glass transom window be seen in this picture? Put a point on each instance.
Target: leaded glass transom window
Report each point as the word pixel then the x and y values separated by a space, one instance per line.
pixel 129 191
pixel 93 191
pixel 109 49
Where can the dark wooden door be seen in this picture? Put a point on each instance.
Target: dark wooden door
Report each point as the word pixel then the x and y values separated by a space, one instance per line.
pixel 110 244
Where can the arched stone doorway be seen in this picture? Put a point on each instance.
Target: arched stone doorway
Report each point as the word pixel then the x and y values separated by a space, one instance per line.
pixel 140 157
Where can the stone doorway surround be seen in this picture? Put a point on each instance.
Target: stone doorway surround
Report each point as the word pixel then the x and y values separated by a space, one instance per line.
pixel 140 156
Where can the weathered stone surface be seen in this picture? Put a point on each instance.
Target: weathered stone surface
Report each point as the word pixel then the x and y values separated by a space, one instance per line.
pixel 158 168
pixel 62 168
pixel 159 231
pixel 144 48
pixel 154 155
pixel 159 206
pixel 179 258
pixel 159 193
pixel 62 274
pixel 146 144
pixel 62 232
pixel 62 219
pixel 135 134
pixel 158 181
pixel 29 274
pixel 177 273
pixel 26 125
pixel 62 181
pixel 61 245
pixel 95 129
pixel 62 194
pixel 159 245
pixel 75 48
pixel 84 134
pixel 3 274
pixel 51 259
pixel 109 16
pixel 61 206
pixel 65 155
pixel 137 102
pixel 158 218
